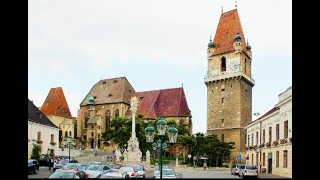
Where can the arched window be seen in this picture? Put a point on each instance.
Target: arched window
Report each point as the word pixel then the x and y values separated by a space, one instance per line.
pixel 108 120
pixel 66 134
pixel 117 113
pixel 245 65
pixel 223 64
pixel 86 119
pixel 70 133
pixel 60 135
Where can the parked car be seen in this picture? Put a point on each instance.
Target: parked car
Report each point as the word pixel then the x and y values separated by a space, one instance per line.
pixel 44 161
pixel 94 163
pixel 66 174
pixel 114 175
pixel 167 174
pixel 33 166
pixel 129 171
pixel 94 171
pixel 60 164
pixel 82 166
pixel 236 168
pixel 157 170
pixel 71 166
pixel 140 171
pixel 248 171
pixel 114 167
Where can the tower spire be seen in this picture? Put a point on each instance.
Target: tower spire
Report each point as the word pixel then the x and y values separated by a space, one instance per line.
pixel 236 4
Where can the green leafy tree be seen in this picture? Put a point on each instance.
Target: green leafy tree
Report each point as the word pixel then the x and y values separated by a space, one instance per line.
pixel 36 151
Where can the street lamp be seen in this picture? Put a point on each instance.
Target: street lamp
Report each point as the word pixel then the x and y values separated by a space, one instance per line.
pixel 161 128
pixel 69 140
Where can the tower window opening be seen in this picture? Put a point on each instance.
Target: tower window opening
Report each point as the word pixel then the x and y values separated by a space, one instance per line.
pixel 222 137
pixel 245 65
pixel 222 122
pixel 223 64
pixel 222 90
pixel 222 100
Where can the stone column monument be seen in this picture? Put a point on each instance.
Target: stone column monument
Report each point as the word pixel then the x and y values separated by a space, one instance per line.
pixel 134 153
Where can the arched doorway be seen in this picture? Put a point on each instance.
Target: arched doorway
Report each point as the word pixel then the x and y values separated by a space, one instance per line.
pixel 92 143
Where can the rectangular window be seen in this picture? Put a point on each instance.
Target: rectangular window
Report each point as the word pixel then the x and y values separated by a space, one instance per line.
pixel 263 159
pixel 257 159
pixel 39 136
pixel 277 159
pixel 245 138
pixel 270 134
pixel 257 138
pixel 286 129
pixel 285 158
pixel 222 100
pixel 263 136
pixel 52 138
pixel 252 159
pixel 277 132
pixel 222 122
pixel 252 139
pixel 249 140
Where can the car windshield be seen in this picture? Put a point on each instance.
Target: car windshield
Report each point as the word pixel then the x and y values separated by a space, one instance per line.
pixel 82 167
pixel 242 167
pixel 163 167
pixel 61 174
pixel 126 169
pixel 251 167
pixel 168 172
pixel 95 168
pixel 63 161
pixel 137 168
pixel 70 166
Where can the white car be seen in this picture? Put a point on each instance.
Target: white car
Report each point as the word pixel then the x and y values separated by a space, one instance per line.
pixel 140 171
pixel 112 175
pixel 128 171
pixel 248 171
pixel 94 171
pixel 167 174
pixel 156 171
pixel 236 168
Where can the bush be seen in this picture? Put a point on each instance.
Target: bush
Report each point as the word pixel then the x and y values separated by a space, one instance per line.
pixel 36 151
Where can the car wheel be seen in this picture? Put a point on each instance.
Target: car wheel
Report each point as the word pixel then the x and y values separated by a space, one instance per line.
pixel 36 171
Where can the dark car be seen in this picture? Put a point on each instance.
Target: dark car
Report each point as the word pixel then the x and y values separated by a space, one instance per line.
pixel 33 166
pixel 44 161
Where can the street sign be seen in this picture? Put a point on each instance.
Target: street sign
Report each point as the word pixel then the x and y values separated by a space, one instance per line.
pixel 239 157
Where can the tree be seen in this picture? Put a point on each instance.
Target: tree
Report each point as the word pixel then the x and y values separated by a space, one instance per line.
pixel 36 151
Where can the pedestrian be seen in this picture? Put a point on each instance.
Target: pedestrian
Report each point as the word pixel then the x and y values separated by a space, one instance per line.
pixel 50 161
pixel 204 166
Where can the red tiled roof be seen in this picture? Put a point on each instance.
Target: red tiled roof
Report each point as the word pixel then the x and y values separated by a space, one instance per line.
pixel 163 103
pixel 56 104
pixel 229 25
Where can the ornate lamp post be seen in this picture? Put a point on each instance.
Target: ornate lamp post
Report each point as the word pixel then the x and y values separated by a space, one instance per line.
pixel 161 128
pixel 69 140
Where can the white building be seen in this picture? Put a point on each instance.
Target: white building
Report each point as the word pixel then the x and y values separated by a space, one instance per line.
pixel 269 138
pixel 41 131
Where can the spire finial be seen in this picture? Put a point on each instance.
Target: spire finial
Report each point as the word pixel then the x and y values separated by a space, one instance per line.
pixel 236 4
pixel 221 9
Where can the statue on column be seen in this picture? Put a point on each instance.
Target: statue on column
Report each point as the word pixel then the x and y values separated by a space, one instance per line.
pixel 148 155
pixel 125 155
pixel 139 155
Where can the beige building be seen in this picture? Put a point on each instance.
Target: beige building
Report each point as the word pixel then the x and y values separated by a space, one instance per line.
pixel 41 131
pixel 110 98
pixel 56 108
pixel 269 138
pixel 229 83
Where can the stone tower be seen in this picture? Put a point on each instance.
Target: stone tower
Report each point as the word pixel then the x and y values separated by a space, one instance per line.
pixel 229 83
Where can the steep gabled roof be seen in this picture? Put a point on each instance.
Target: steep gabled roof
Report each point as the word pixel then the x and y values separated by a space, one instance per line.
pixel 110 91
pixel 56 104
pixel 229 25
pixel 35 115
pixel 162 103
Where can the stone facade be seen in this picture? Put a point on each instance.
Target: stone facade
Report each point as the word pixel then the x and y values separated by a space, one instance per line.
pixel 272 154
pixel 229 87
pixel 107 112
pixel 65 124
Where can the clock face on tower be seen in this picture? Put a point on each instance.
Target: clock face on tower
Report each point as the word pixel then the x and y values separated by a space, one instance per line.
pixel 234 66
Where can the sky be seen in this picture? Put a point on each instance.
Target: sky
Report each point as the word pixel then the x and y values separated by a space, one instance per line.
pixel 155 44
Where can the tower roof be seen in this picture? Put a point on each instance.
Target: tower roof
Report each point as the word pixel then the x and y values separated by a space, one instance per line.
pixel 229 26
pixel 56 104
pixel 35 115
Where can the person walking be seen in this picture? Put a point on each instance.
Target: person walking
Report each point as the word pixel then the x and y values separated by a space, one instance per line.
pixel 50 161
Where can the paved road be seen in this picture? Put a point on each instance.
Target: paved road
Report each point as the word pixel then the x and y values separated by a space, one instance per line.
pixel 209 174
pixel 42 173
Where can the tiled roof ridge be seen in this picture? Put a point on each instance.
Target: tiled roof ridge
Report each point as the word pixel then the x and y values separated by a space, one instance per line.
pixel 160 89
pixel 266 114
